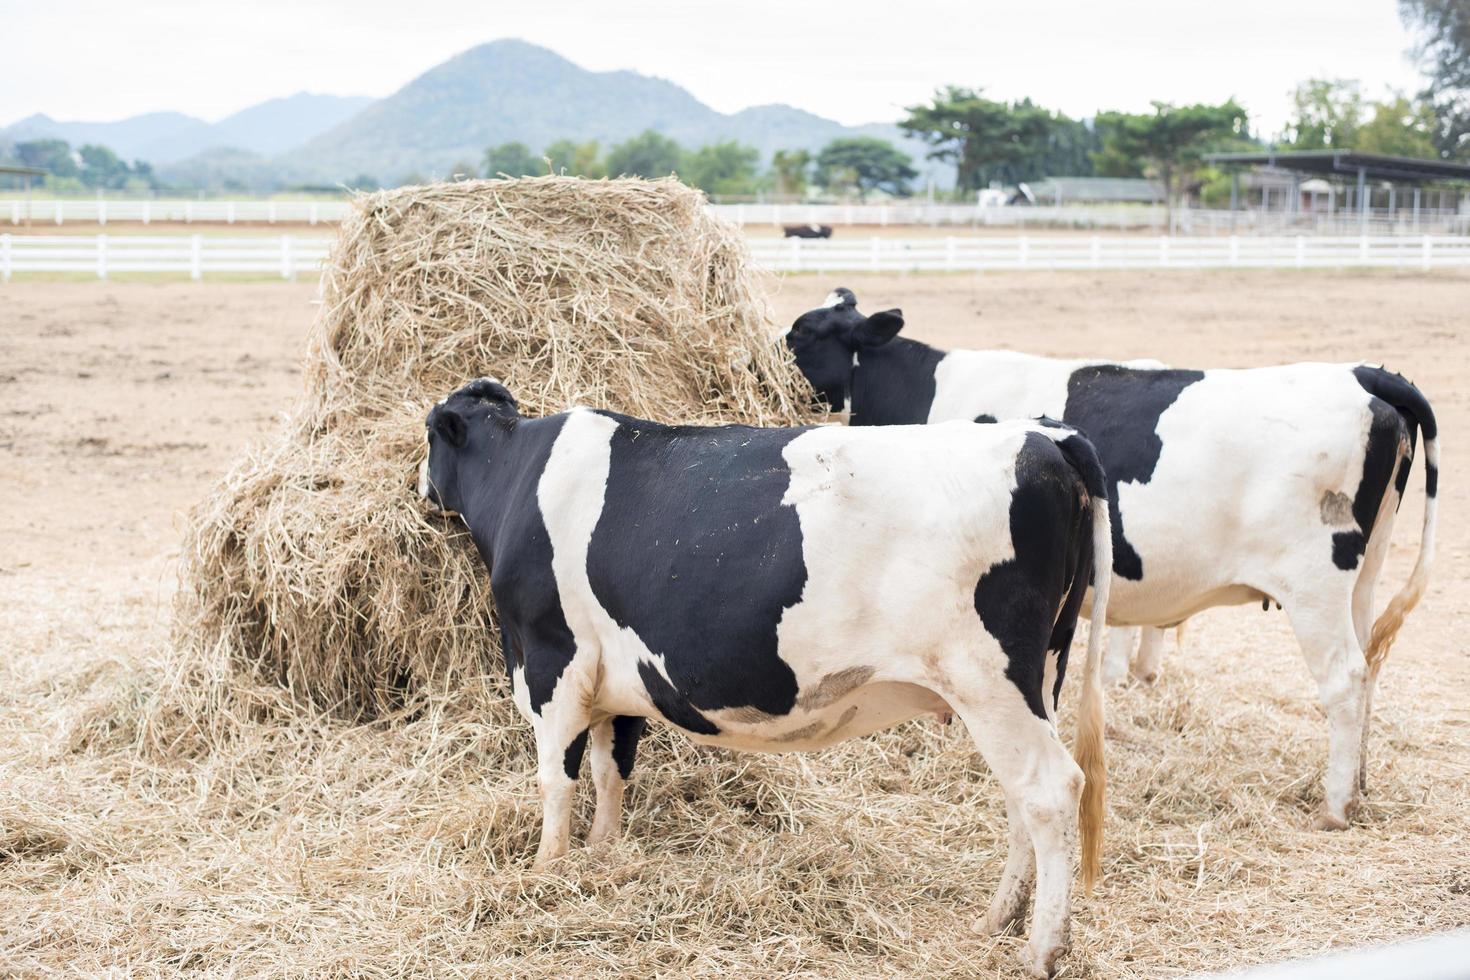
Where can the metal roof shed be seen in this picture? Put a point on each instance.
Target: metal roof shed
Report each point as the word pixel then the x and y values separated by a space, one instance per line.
pixel 1364 167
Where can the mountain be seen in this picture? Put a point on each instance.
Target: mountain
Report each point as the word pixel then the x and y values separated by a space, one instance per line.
pixel 511 90
pixel 165 137
pixel 278 125
pixel 154 136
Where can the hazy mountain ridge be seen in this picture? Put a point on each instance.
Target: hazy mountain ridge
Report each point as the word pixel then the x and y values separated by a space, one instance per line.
pixel 508 91
pixel 498 92
pixel 162 138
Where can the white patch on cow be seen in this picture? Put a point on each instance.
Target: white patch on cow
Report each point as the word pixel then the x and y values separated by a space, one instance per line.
pixel 424 478
pixel 833 300
pixel 1003 384
pixel 1247 457
pixel 870 592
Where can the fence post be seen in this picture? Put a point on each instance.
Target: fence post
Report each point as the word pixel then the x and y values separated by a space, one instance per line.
pixel 883 214
pixel 1301 251
pixel 58 212
pixel 15 212
pixel 188 212
pixel 1234 251
pixel 1426 250
pixel 288 266
pixel 101 256
pixel 196 257
pixel 875 253
pixel 1163 250
pixel 1363 249
pixel 229 212
pixel 1097 251
pixel 147 211
pixel 795 254
pixel 949 253
pixel 311 213
pixel 4 258
pixel 1024 259
pixel 102 211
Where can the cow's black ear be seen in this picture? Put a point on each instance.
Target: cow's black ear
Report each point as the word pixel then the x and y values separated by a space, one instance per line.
pixel 878 329
pixel 451 427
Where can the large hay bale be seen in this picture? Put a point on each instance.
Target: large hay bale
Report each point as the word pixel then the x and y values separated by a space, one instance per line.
pixel 314 562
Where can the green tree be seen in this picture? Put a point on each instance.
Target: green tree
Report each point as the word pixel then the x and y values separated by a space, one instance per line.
pixel 987 140
pixel 1442 28
pixel 722 168
pixel 102 168
pixel 511 159
pixel 51 155
pixel 1169 144
pixel 576 159
pixel 1326 114
pixel 1400 126
pixel 789 167
pixel 649 154
pixel 868 162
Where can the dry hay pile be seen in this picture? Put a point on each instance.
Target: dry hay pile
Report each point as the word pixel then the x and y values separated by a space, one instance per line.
pixel 314 562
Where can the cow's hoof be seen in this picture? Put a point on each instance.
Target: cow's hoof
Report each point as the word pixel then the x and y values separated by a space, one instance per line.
pixel 1148 678
pixel 1327 821
pixel 997 924
pixel 1040 965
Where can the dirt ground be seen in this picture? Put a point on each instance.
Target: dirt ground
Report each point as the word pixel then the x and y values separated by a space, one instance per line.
pixel 120 404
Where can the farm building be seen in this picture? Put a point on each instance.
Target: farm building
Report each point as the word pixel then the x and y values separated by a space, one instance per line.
pixel 1347 186
pixel 1057 191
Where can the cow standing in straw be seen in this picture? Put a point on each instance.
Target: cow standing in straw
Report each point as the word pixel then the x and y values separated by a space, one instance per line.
pixel 1274 484
pixel 783 590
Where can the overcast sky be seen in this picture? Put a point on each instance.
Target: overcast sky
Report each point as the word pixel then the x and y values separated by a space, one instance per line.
pixel 855 61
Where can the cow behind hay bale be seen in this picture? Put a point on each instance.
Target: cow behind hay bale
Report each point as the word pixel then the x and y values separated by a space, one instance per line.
pixel 313 562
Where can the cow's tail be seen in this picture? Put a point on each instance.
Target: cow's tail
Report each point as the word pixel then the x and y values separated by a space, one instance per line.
pixel 1087 746
pixel 1410 401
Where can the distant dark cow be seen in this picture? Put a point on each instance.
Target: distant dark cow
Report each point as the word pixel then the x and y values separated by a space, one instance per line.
pixel 783 590
pixel 1273 484
pixel 807 231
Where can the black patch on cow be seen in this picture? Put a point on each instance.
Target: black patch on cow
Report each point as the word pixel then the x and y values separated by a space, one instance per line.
pixel 671 704
pixel 1119 408
pixel 1384 434
pixel 1399 392
pixel 985 419
pixel 506 523
pixel 695 553
pixel 1018 599
pixel 894 384
pixel 571 761
pixel 1083 457
pixel 627 730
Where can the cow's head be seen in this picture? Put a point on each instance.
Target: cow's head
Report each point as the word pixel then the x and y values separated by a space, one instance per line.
pixel 829 340
pixel 462 432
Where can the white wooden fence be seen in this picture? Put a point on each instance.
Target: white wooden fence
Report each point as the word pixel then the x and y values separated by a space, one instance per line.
pixel 979 253
pixel 195 255
pixel 917 213
pixel 101 211
pixel 290 255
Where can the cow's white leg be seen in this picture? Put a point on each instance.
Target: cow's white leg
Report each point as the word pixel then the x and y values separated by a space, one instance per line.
pixel 561 738
pixel 608 819
pixel 1008 905
pixel 1373 557
pixel 1120 649
pixel 1035 770
pixel 1324 628
pixel 1150 654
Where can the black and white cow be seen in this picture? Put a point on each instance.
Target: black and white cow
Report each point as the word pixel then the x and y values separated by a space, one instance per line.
pixel 787 589
pixel 1226 486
